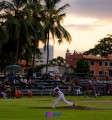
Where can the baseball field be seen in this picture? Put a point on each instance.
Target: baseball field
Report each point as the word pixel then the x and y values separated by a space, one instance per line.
pixel 35 108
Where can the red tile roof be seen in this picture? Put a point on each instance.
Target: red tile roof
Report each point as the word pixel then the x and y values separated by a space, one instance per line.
pixel 97 57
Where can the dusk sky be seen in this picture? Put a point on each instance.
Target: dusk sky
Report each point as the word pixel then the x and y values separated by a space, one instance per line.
pixel 87 21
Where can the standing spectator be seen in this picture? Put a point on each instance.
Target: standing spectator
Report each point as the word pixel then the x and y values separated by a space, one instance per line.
pixel 92 87
pixel 30 94
pixel 78 87
pixel 13 90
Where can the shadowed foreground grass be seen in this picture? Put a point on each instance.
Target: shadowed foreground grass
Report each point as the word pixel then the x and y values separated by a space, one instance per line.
pixel 25 108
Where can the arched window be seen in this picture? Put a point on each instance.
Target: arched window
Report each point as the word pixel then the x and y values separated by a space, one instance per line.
pixel 100 73
pixel 100 63
pixel 110 63
pixel 92 62
pixel 110 72
pixel 106 63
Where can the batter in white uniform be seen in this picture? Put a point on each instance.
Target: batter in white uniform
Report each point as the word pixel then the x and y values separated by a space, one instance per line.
pixel 60 96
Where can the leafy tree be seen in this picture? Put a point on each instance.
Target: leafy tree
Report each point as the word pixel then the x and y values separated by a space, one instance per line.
pixel 82 67
pixel 18 25
pixel 103 48
pixel 39 68
pixel 60 61
pixel 53 61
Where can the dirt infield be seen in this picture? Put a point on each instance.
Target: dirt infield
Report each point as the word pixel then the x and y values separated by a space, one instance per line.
pixel 71 107
pixel 76 107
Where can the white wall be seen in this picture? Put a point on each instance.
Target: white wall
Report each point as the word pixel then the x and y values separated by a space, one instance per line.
pixel 43 58
pixel 54 69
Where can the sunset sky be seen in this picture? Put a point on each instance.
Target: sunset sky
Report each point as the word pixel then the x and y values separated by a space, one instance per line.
pixel 87 21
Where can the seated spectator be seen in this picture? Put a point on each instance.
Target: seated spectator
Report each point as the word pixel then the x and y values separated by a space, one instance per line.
pixel 4 94
pixel 69 88
pixel 25 82
pixel 68 79
pixel 13 90
pixel 18 94
pixel 3 91
pixel 110 90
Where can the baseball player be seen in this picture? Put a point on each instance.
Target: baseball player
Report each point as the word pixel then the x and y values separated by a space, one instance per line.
pixel 60 96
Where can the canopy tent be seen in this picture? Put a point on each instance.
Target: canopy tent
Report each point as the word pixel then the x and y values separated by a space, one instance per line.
pixel 12 69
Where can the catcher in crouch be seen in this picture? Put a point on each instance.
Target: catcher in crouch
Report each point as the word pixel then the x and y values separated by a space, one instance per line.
pixel 60 96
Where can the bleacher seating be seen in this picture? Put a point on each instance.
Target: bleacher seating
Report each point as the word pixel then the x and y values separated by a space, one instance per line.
pixel 45 87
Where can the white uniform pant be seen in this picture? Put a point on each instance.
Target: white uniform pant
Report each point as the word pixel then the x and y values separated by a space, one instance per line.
pixel 78 91
pixel 62 98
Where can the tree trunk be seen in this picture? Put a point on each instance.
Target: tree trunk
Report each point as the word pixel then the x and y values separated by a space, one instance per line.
pixel 17 51
pixel 47 53
pixel 34 53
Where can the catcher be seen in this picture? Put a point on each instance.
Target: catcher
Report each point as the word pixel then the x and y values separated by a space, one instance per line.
pixel 60 96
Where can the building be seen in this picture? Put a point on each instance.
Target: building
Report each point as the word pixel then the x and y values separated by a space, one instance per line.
pixel 43 57
pixel 101 67
pixel 55 69
pixel 42 60
pixel 71 59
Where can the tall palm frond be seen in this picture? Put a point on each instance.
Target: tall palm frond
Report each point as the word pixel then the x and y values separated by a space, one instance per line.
pixel 63 8
pixel 65 34
pixel 18 24
pixel 12 5
pixel 35 9
pixel 53 25
pixel 5 5
pixel 3 36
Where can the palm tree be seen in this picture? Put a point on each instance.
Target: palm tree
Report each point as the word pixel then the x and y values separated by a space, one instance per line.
pixel 36 10
pixel 3 40
pixel 59 61
pixel 18 25
pixel 53 27
pixel 3 35
pixel 25 22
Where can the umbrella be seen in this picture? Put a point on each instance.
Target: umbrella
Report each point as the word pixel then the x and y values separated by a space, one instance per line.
pixel 12 69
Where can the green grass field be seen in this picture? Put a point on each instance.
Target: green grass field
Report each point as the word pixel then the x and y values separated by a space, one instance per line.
pixel 25 108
